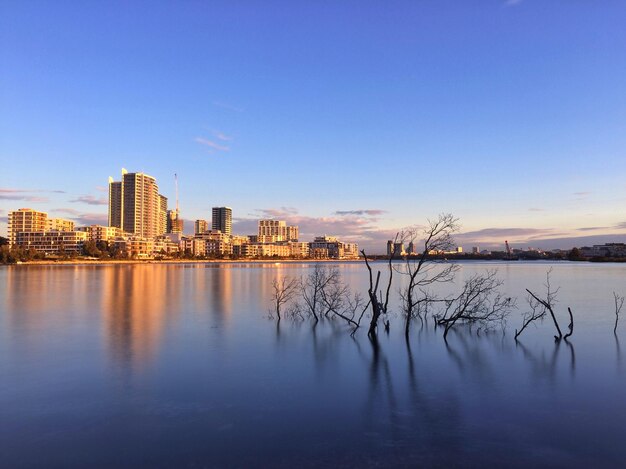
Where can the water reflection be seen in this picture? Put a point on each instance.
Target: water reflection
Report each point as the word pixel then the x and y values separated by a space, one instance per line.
pixel 137 304
pixel 212 376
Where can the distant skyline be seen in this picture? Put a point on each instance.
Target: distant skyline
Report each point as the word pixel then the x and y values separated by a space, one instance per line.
pixel 353 119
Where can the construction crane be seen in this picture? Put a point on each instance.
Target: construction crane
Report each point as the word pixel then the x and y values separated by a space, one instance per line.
pixel 176 184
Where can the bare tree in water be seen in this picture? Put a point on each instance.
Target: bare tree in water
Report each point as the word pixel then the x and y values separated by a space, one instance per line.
pixel 428 268
pixel 312 288
pixel 283 292
pixel 379 306
pixel 479 304
pixel 548 303
pixel 619 302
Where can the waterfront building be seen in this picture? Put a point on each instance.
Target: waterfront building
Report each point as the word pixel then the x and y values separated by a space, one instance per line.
pixel 299 249
pixel 329 247
pixel 175 224
pixel 273 231
pixel 59 224
pixel 604 250
pixel 26 220
pixel 395 249
pixel 200 226
pixel 52 242
pixel 101 233
pixel 163 215
pixel 136 206
pixel 411 249
pixel 222 219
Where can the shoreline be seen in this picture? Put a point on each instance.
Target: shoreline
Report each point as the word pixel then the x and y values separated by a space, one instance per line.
pixel 175 261
pixel 71 262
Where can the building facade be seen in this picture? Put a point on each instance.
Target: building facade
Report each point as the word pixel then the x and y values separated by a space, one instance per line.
pixel 222 219
pixel 26 220
pixel 136 206
pixel 200 226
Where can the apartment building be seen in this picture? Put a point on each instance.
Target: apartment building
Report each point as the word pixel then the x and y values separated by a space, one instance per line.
pixel 26 220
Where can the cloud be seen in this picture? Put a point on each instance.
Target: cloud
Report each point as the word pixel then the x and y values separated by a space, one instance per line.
pixel 281 212
pixel 368 212
pixel 227 106
pixel 593 228
pixel 621 226
pixel 512 3
pixel 221 136
pixel 16 194
pixel 25 198
pixel 211 144
pixel 102 189
pixel 535 209
pixel 497 236
pixel 85 218
pixel 582 195
pixel 91 200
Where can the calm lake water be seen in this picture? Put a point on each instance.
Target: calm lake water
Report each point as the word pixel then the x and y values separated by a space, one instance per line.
pixel 180 366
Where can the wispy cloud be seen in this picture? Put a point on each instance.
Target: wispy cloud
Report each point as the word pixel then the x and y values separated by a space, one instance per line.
pixel 593 228
pixel 361 212
pixel 91 200
pixel 25 198
pixel 84 218
pixel 582 194
pixel 102 188
pixel 281 212
pixel 502 234
pixel 6 190
pixel 621 226
pixel 222 136
pixel 227 106
pixel 212 145
pixel 512 3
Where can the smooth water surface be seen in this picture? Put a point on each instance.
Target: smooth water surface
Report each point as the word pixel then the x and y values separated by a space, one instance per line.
pixel 180 366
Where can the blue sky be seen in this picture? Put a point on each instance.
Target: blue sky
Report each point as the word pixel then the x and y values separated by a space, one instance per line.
pixel 349 118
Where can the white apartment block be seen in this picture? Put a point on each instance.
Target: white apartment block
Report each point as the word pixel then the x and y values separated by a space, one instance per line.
pixel 52 242
pixel 59 224
pixel 26 220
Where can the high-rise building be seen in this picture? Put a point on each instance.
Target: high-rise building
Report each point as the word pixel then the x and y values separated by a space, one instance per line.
pixel 200 226
pixel 222 219
pixel 136 206
pixel 174 223
pixel 26 220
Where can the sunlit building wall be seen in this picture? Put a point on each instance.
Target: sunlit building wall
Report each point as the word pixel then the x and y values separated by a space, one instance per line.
pixel 136 206
pixel 59 224
pixel 222 219
pixel 26 219
pixel 200 226
pixel 52 242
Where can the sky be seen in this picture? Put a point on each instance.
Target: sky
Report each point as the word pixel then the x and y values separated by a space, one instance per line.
pixel 348 118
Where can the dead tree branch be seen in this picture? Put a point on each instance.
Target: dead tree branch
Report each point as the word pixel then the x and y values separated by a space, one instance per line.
pixel 284 290
pixel 537 312
pixel 479 303
pixel 619 302
pixel 425 270
pixel 570 326
pixel 548 303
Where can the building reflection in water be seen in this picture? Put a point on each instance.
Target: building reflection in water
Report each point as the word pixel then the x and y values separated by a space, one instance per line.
pixel 137 303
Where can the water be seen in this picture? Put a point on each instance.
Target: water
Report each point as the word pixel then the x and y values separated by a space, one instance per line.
pixel 180 366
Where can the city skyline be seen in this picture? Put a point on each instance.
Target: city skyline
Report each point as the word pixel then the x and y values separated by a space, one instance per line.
pixel 509 115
